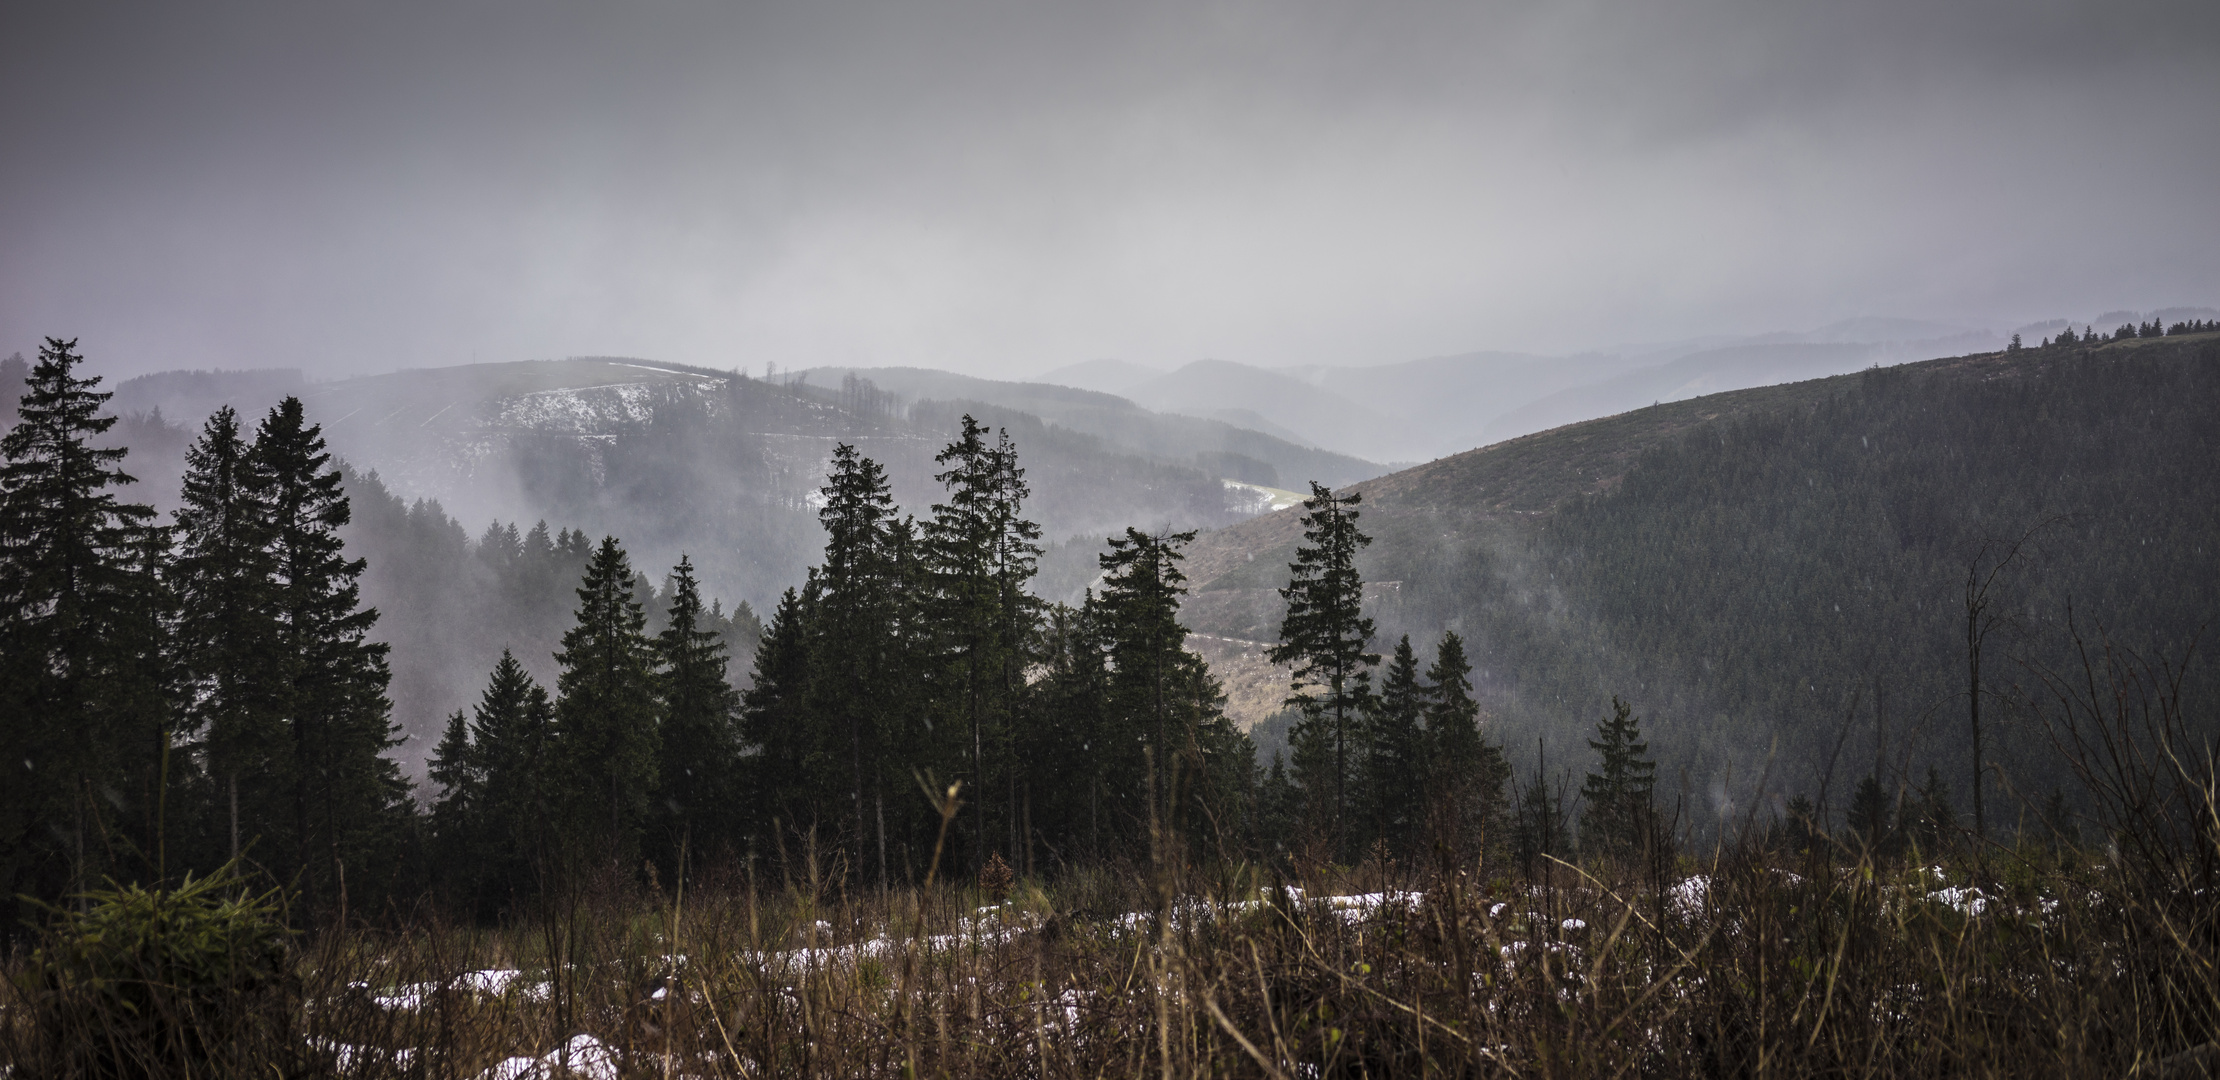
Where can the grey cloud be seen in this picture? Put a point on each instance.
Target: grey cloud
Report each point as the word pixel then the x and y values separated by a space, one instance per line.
pixel 1004 188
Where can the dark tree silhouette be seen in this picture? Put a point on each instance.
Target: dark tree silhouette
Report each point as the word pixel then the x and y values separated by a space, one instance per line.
pixel 1324 636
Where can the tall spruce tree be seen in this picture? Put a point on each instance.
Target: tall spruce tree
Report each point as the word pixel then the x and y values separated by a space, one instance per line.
pixel 1324 636
pixel 458 812
pixel 698 775
pixel 499 788
pixel 859 665
pixel 775 726
pixel 1395 753
pixel 1165 736
pixel 73 580
pixel 1465 774
pixel 225 574
pixel 607 709
pixel 1013 561
pixel 1617 816
pixel 344 799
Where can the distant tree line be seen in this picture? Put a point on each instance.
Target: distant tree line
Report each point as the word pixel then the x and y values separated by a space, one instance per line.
pixel 2128 331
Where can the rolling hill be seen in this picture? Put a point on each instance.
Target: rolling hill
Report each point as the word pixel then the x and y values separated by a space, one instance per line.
pixel 1774 576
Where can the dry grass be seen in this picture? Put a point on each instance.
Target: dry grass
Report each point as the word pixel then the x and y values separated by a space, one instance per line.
pixel 1752 967
pixel 2022 962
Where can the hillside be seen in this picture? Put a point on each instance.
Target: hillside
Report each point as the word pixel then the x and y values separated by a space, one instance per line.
pixel 674 461
pixel 677 459
pixel 1774 577
pixel 1247 448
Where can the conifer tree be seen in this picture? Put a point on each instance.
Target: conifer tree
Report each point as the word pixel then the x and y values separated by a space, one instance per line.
pixel 858 660
pixel 326 678
pixel 1165 735
pixel 1616 815
pixel 775 725
pixel 1465 773
pixel 979 554
pixel 491 819
pixel 225 574
pixel 1395 752
pixel 72 572
pixel 607 709
pixel 458 809
pixel 1014 560
pixel 1870 826
pixel 501 547
pixel 1324 636
pixel 697 777
pixel 1138 614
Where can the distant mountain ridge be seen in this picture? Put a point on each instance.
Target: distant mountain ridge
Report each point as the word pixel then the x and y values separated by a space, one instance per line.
pixel 1418 410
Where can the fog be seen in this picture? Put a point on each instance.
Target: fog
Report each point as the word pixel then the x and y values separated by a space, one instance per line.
pixel 1002 190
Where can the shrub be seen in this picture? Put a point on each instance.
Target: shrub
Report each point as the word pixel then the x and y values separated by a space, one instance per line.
pixel 139 982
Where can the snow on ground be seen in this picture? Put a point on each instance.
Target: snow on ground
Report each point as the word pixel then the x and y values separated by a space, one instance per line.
pixel 589 410
pixel 1259 499
pixel 492 983
pixel 1687 898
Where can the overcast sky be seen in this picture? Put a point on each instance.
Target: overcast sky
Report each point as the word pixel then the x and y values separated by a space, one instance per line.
pixel 1005 188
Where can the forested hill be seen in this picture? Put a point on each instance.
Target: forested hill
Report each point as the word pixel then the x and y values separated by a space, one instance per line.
pixel 679 459
pixel 673 460
pixel 1776 577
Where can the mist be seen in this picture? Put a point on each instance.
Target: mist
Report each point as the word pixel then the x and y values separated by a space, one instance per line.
pixel 1005 189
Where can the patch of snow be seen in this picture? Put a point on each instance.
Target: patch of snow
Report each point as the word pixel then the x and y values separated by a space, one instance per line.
pixel 583 1056
pixel 1966 899
pixel 1258 499
pixel 1687 899
pixel 492 983
pixel 347 1057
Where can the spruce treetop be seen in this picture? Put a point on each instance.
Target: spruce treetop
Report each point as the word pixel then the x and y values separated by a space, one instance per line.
pixel 1325 631
pixel 63 534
